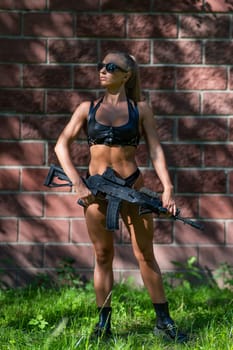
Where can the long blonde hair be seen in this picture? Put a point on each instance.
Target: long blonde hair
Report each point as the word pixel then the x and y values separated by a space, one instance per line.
pixel 132 86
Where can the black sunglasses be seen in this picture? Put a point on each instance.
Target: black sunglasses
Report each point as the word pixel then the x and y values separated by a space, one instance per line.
pixel 110 67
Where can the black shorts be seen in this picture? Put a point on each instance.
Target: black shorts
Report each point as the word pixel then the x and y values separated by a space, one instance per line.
pixel 130 180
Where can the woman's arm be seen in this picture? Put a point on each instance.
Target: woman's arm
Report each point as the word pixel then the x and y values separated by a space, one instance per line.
pixel 157 155
pixel 64 142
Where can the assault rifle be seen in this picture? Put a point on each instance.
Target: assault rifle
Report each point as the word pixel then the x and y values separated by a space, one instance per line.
pixel 115 190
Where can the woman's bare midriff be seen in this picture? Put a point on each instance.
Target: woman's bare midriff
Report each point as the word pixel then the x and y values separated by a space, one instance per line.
pixel 121 159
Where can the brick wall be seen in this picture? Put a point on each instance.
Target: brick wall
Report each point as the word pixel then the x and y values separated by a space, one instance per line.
pixel 48 53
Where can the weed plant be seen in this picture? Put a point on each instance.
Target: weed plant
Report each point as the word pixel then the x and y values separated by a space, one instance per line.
pixel 62 316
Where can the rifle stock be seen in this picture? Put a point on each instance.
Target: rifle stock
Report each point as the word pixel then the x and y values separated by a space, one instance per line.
pixel 115 191
pixel 56 172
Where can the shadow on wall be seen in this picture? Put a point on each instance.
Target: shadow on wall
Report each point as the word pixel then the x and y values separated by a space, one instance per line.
pixel 33 118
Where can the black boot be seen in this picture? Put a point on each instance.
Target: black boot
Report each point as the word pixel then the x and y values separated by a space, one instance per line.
pixel 165 326
pixel 103 327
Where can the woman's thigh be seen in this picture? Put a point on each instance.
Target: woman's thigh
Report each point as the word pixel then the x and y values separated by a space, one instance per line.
pixel 95 216
pixel 140 228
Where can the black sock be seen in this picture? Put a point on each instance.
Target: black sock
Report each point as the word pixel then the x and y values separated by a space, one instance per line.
pixel 161 310
pixel 105 317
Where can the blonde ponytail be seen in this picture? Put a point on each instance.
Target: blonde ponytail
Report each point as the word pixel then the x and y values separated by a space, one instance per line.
pixel 132 86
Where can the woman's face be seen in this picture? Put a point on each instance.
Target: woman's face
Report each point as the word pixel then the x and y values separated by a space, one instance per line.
pixel 113 71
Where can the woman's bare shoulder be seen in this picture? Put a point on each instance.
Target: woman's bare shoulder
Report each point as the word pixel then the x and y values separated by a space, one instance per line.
pixel 145 108
pixel 83 107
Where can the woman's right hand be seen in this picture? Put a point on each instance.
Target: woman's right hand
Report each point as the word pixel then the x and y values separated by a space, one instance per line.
pixel 85 196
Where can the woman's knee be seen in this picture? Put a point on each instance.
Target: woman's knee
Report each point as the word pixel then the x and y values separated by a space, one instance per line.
pixel 144 255
pixel 104 256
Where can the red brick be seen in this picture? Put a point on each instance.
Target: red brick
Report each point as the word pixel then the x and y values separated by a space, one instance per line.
pixel 177 6
pixel 74 5
pixel 175 103
pixel 8 230
pixel 218 155
pixel 9 23
pixel 42 127
pixel 217 207
pixel 33 180
pixel 21 205
pixel 212 257
pixel 157 77
pixel 52 158
pixel 10 75
pixel 47 76
pixel 20 153
pixel 165 128
pixel 151 180
pixel 203 129
pixel 21 256
pixel 62 205
pixel 33 230
pixel 66 101
pixel 80 154
pixel 132 6
pixel 179 52
pixel 230 128
pixel 9 278
pixel 229 235
pixel 73 51
pixel 204 181
pixel 202 78
pixel 183 155
pixel 11 128
pixel 86 78
pixel 219 5
pixel 230 181
pixel 142 156
pixel 152 26
pixel 188 205
pixel 231 79
pixel 79 233
pixel 140 49
pixel 218 103
pixel 23 4
pixel 218 52
pixel 49 24
pixel 165 255
pixel 29 276
pixel 23 50
pixel 110 25
pixel 9 179
pixel 22 101
pixel 213 234
pixel 124 258
pixel 205 26
pixel 56 254
pixel 163 231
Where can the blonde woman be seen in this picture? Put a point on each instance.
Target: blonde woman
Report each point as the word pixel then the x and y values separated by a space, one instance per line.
pixel 114 124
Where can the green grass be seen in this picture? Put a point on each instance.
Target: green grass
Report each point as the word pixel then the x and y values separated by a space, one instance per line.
pixel 63 317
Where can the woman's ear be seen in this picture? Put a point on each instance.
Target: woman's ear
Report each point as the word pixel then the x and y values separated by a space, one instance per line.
pixel 127 76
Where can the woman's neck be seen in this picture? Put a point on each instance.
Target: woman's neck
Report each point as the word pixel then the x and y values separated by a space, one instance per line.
pixel 114 98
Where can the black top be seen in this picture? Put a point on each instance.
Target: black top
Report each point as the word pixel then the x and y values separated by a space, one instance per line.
pixel 124 135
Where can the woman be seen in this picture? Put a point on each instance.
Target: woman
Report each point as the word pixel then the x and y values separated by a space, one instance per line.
pixel 114 125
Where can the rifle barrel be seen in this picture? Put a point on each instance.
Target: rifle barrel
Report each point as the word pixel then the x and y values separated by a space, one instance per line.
pixel 190 222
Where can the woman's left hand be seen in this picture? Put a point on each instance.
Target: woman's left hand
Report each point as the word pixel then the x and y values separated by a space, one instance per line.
pixel 169 201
